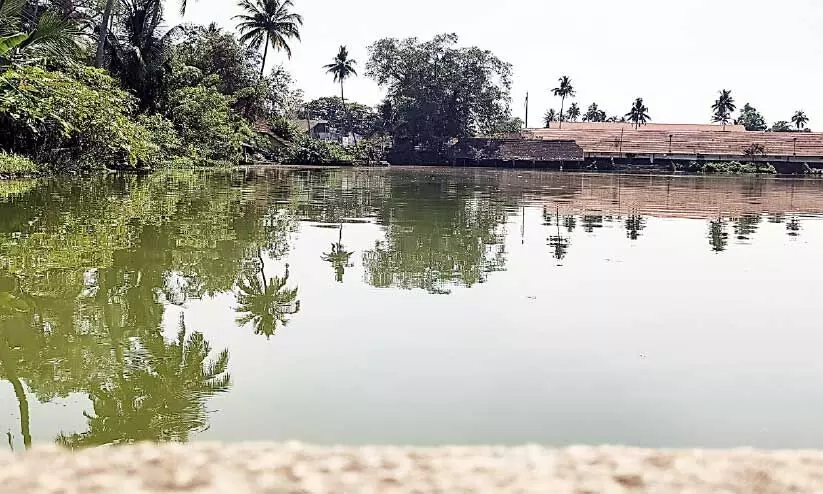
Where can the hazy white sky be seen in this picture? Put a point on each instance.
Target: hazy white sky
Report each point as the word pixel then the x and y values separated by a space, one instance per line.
pixel 674 54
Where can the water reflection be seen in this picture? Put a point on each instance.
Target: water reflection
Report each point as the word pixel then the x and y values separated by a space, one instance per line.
pixel 339 257
pixel 98 275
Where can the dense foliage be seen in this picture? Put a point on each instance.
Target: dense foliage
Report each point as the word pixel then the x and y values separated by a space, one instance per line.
pixel 438 91
pixel 75 117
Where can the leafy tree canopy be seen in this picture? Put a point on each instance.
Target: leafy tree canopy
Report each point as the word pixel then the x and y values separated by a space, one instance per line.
pixel 751 119
pixel 438 91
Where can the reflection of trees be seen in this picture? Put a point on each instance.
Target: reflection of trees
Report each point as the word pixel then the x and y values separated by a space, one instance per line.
pixel 570 222
pixel 558 242
pixel 338 257
pixel 718 237
pixel 439 232
pixel 590 222
pixel 91 266
pixel 158 394
pixel 793 227
pixel 265 304
pixel 634 225
pixel 745 226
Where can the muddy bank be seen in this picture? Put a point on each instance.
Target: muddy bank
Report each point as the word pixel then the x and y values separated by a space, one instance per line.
pixel 295 468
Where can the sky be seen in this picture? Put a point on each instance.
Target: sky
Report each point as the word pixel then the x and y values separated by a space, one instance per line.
pixel 676 54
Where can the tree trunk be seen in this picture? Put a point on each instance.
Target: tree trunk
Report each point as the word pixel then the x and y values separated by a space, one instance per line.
pixel 104 29
pixel 265 52
pixel 562 102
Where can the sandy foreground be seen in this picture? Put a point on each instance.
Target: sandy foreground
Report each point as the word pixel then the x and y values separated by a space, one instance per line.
pixel 297 468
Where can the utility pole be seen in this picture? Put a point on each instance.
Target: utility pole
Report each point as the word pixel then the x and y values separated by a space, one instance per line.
pixel 527 109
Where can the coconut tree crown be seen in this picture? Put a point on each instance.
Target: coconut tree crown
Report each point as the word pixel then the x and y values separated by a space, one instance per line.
pixel 342 67
pixel 723 107
pixel 639 114
pixel 268 22
pixel 563 91
pixel 799 119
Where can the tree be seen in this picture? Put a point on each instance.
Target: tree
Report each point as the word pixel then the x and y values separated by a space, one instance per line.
pixel 723 108
pixel 751 119
pixel 639 114
pixel 564 90
pixel 594 114
pixel 139 50
pixel 437 91
pixel 268 22
pixel 342 67
pixel 549 117
pixel 266 303
pixel 781 126
pixel 573 113
pixel 49 36
pixel 799 119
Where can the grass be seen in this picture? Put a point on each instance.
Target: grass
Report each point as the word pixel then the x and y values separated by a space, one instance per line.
pixel 16 165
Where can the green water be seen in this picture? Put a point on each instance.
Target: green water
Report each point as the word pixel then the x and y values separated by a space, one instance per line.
pixel 414 306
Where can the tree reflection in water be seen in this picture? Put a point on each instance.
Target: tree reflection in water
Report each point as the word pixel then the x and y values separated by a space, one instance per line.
pixel 338 257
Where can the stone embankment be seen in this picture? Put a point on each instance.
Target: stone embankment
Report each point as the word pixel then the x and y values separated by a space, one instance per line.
pixel 296 468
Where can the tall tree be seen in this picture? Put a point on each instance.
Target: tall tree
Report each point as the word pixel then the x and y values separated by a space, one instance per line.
pixel 751 119
pixel 268 22
pixel 639 114
pixel 342 67
pixel 564 90
pixel 723 108
pixel 437 91
pixel 799 119
pixel 549 117
pixel 573 112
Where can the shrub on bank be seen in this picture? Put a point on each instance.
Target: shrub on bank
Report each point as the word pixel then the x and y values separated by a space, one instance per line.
pixel 14 165
pixel 80 119
pixel 206 124
pixel 310 151
pixel 731 168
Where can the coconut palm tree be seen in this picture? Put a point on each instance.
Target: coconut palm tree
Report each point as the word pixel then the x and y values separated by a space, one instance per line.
pixel 51 37
pixel 549 117
pixel 564 90
pixel 573 113
pixel 799 119
pixel 268 22
pixel 723 108
pixel 342 67
pixel 338 257
pixel 639 114
pixel 266 303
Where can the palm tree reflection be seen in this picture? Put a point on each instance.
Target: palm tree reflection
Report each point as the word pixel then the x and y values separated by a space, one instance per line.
pixel 265 304
pixel 339 257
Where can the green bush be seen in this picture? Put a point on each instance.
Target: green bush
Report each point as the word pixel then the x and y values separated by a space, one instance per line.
pixel 310 151
pixel 370 150
pixel 208 127
pixel 14 165
pixel 77 119
pixel 731 167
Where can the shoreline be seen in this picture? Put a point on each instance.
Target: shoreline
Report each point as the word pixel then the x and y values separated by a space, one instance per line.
pixel 295 467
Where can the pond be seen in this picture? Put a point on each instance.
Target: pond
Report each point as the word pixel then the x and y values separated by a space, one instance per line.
pixel 421 306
